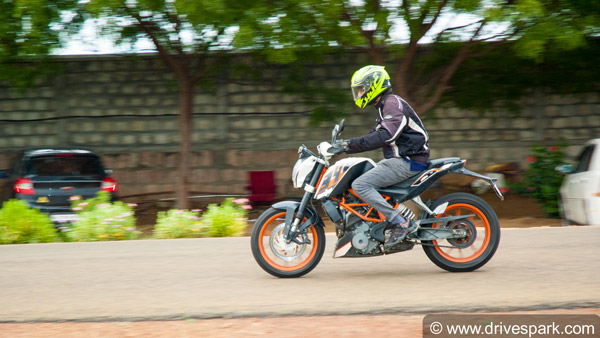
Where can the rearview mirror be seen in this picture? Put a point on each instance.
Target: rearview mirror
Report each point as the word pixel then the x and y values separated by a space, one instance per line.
pixel 565 168
pixel 334 133
pixel 337 130
pixel 2 173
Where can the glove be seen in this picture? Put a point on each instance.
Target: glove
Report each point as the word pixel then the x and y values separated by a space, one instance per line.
pixel 339 147
pixel 345 144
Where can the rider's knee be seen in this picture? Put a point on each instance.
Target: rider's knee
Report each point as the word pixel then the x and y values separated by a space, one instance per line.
pixel 360 185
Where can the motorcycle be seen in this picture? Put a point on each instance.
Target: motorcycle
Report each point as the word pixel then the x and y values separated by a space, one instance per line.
pixel 459 232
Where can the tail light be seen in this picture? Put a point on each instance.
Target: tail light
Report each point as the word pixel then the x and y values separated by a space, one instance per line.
pixel 109 184
pixel 24 186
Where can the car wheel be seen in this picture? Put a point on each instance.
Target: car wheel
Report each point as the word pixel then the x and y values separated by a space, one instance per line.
pixel 563 218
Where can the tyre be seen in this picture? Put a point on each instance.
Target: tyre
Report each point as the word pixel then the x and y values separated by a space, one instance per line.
pixel 481 242
pixel 563 217
pixel 279 258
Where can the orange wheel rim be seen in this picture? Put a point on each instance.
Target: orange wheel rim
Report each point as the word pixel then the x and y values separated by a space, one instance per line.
pixel 274 250
pixel 480 242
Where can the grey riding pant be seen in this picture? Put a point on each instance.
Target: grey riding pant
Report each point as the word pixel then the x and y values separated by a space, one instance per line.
pixel 387 172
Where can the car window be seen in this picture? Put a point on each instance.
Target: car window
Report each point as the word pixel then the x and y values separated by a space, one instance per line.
pixel 583 162
pixel 64 165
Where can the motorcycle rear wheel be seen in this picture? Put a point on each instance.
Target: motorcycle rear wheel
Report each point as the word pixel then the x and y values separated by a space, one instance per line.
pixel 483 234
pixel 281 259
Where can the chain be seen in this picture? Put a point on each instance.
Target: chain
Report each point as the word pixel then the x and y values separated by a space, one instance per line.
pixel 437 246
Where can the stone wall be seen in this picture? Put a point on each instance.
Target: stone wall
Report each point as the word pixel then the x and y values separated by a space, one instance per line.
pixel 126 110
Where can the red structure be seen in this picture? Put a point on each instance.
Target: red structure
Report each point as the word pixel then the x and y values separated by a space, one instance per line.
pixel 262 187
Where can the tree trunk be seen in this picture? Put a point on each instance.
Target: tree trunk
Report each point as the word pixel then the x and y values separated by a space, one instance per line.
pixel 186 103
pixel 443 84
pixel 401 78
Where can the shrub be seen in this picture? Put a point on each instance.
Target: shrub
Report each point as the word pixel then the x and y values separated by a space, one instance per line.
pixel 21 224
pixel 79 206
pixel 178 224
pixel 541 180
pixel 100 220
pixel 228 219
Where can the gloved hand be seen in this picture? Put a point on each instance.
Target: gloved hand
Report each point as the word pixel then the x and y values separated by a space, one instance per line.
pixel 339 147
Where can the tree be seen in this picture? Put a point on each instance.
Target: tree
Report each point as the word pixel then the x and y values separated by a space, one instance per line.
pixel 284 27
pixel 29 28
pixel 190 37
pixel 503 77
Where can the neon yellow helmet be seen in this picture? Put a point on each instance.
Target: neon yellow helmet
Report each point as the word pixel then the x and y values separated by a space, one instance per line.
pixel 368 83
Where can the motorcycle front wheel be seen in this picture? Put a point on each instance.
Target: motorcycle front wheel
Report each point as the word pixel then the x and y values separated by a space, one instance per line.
pixel 281 259
pixel 482 234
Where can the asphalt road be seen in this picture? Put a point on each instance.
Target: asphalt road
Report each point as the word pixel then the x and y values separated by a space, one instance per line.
pixel 535 268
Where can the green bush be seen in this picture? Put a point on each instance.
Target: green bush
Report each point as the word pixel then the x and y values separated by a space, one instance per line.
pixel 100 220
pixel 228 219
pixel 541 180
pixel 178 224
pixel 21 224
pixel 78 205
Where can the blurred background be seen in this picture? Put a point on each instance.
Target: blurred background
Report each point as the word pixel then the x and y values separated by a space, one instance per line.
pixel 185 98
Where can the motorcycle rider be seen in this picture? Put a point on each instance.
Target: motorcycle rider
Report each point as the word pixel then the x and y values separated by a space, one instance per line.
pixel 401 134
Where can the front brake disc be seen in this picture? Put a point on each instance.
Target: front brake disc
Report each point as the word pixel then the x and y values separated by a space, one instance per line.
pixel 286 251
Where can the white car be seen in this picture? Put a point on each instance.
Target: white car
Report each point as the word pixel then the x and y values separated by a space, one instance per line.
pixel 580 191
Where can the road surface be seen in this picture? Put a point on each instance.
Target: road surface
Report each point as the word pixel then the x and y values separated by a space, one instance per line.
pixel 534 268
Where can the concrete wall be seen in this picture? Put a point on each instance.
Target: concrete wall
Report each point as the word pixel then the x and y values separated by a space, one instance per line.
pixel 126 110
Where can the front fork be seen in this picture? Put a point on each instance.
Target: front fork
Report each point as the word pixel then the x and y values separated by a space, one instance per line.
pixel 292 226
pixel 293 217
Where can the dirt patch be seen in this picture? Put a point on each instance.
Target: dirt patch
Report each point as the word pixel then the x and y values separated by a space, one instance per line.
pixel 389 325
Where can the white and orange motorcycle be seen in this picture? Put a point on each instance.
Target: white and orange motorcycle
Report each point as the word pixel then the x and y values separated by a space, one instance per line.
pixel 458 232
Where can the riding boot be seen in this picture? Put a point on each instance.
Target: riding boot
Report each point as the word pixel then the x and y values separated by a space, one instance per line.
pixel 399 233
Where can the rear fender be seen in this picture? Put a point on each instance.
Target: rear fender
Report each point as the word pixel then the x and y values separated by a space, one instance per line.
pixel 490 180
pixel 290 208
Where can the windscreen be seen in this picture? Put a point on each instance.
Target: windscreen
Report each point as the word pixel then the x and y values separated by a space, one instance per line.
pixel 64 165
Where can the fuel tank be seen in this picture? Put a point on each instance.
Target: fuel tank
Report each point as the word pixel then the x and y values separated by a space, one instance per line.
pixel 338 178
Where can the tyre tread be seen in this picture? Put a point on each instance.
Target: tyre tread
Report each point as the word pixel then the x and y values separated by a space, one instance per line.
pixel 480 261
pixel 254 238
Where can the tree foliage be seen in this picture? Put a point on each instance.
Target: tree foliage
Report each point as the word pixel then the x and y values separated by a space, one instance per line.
pixel 184 32
pixel 30 28
pixel 190 36
pixel 284 27
pixel 502 78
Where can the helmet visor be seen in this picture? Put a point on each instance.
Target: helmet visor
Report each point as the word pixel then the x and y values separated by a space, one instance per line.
pixel 358 91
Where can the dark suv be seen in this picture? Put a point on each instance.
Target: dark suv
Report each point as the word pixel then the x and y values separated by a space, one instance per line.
pixel 48 178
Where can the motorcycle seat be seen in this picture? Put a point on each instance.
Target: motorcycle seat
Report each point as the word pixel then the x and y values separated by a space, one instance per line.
pixel 401 188
pixel 438 162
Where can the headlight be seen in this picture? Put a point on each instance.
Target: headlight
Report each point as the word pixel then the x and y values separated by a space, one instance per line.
pixel 302 169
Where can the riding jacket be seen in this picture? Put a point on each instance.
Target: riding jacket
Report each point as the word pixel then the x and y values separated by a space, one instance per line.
pixel 399 131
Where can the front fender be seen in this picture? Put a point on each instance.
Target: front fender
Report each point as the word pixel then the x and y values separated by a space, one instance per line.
pixel 290 208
